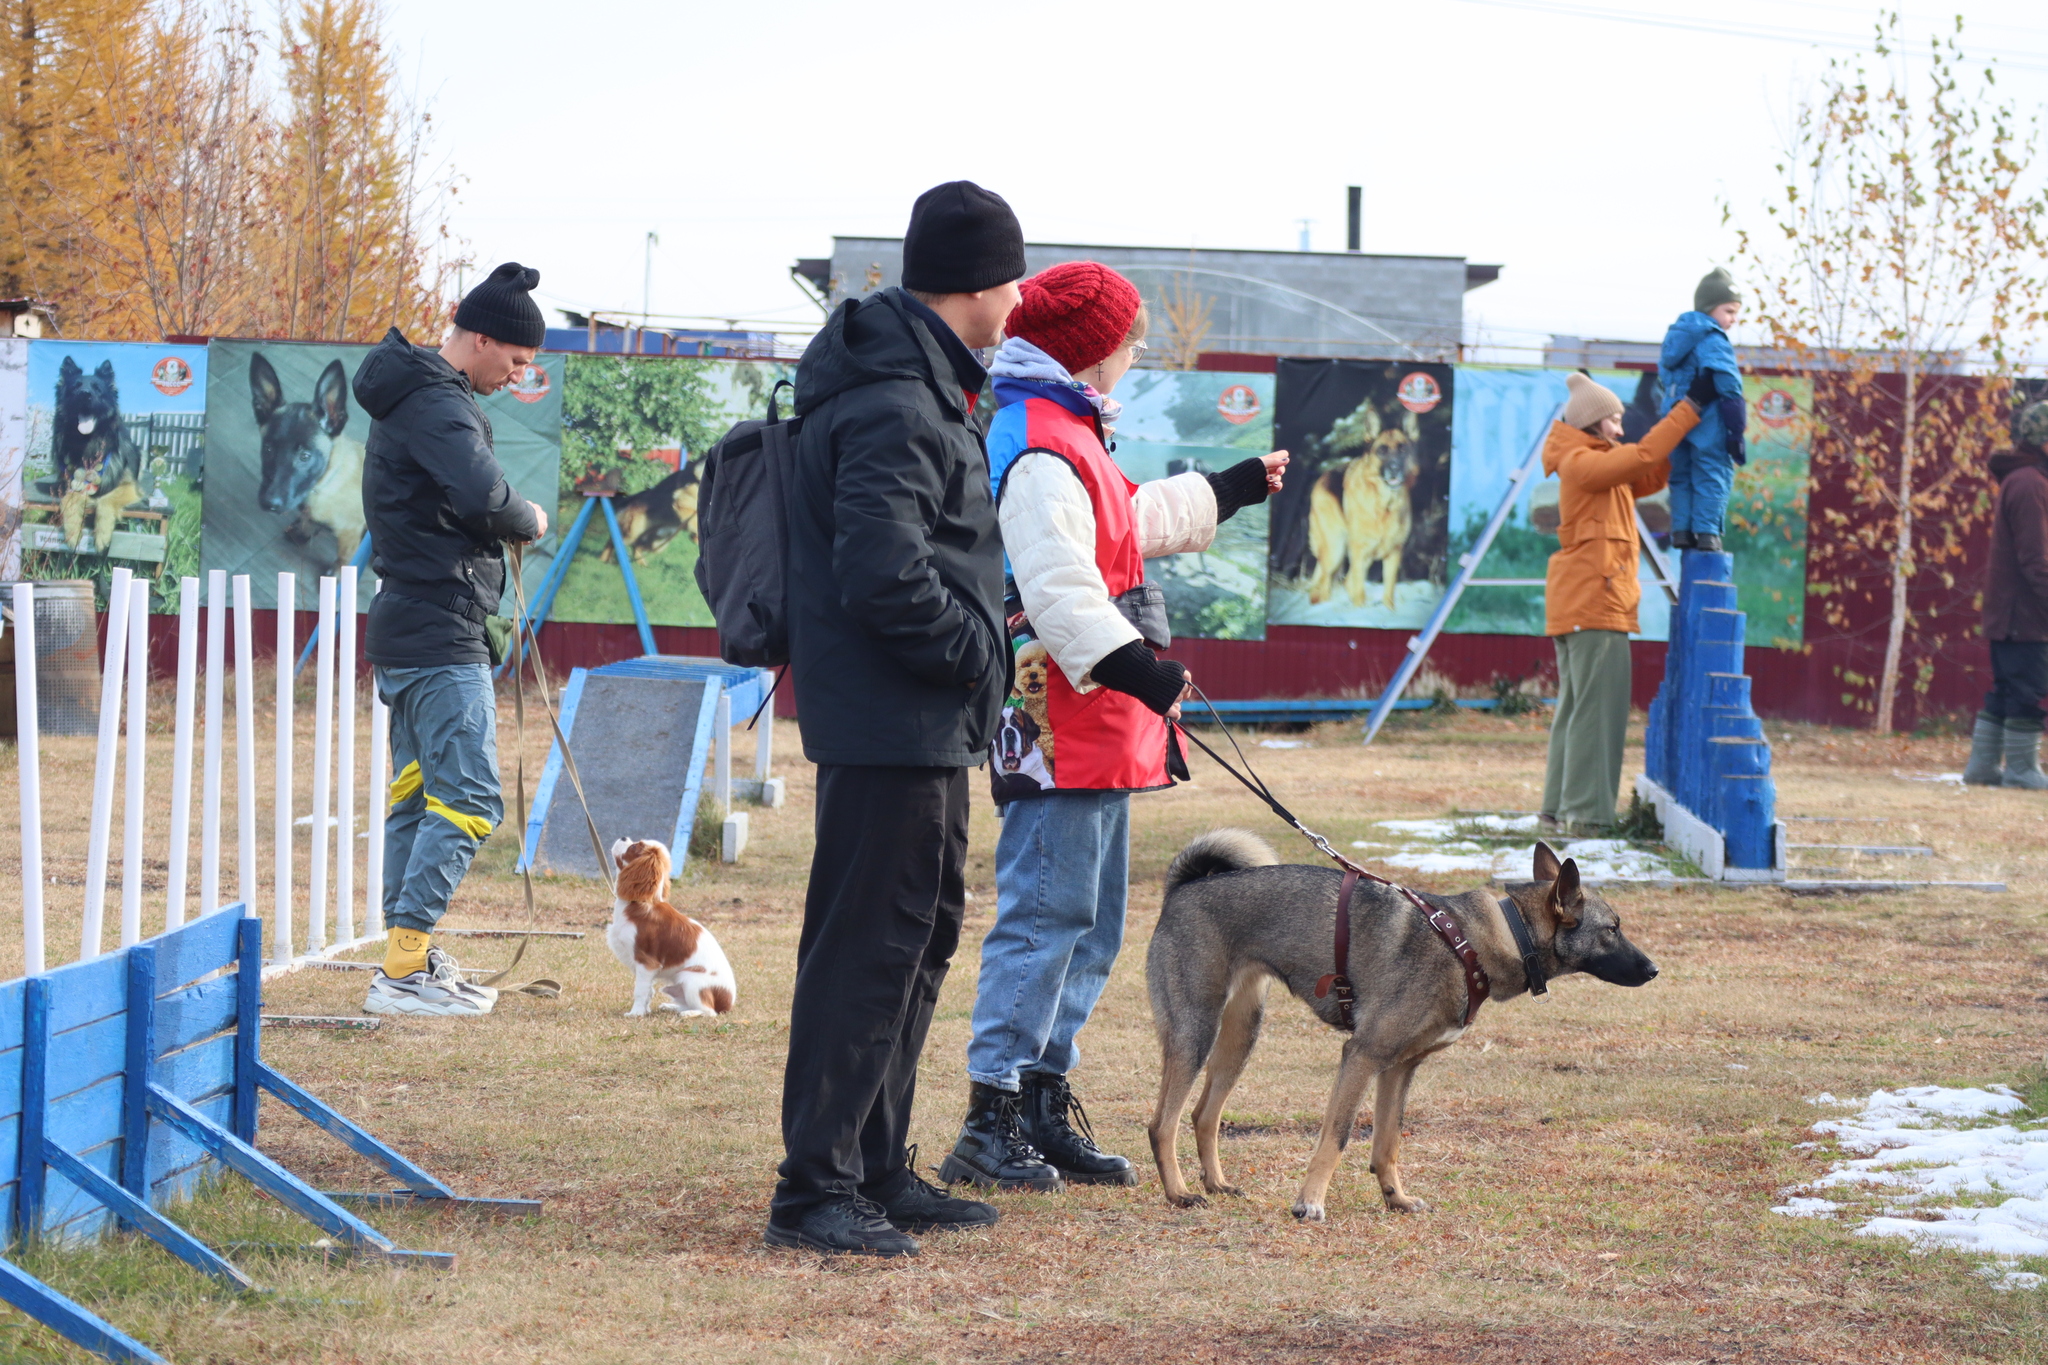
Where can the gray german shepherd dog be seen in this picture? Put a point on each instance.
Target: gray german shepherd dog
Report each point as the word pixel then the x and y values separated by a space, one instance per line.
pixel 1235 919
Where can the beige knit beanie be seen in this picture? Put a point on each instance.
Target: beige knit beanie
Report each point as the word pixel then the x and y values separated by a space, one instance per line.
pixel 1589 403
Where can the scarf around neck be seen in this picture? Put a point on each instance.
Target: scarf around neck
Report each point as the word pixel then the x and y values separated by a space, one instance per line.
pixel 1018 359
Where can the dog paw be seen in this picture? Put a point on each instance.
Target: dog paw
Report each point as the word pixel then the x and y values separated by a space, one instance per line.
pixel 1309 1213
pixel 636 1014
pixel 1233 1191
pixel 671 1006
pixel 1187 1201
pixel 1405 1203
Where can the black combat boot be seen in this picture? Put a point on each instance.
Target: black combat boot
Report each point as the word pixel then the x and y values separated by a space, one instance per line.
pixel 1059 1127
pixel 993 1151
pixel 1709 544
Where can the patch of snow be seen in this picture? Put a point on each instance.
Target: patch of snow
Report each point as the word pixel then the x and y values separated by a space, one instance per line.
pixel 1956 778
pixel 1915 1146
pixel 1444 845
pixel 1737 1066
pixel 1806 1206
pixel 2005 1281
pixel 1283 744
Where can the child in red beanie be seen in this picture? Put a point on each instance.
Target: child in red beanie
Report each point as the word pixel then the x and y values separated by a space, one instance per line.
pixel 1088 722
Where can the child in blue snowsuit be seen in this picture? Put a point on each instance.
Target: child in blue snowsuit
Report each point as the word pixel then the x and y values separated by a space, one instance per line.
pixel 1703 464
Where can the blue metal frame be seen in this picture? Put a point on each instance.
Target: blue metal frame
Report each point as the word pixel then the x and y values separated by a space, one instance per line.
pixel 693 786
pixel 362 558
pixel 544 790
pixel 611 519
pixel 551 582
pixel 124 1142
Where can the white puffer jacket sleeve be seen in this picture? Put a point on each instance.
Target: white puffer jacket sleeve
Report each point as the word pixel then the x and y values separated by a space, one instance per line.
pixel 1049 535
pixel 1175 516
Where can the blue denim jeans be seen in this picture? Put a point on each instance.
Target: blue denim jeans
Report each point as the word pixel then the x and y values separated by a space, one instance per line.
pixel 1062 877
pixel 445 798
pixel 1701 481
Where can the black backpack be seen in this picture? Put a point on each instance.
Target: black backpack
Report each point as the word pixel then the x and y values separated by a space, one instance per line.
pixel 743 536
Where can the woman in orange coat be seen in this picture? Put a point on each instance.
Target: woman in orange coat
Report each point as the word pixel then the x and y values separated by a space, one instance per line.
pixel 1592 591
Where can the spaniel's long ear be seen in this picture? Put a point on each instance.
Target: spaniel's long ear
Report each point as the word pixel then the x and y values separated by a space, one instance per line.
pixel 641 874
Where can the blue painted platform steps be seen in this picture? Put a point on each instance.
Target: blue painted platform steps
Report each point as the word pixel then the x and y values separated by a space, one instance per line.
pixel 127 1078
pixel 1707 762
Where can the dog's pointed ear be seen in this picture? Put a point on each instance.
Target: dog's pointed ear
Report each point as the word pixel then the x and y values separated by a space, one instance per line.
pixel 330 396
pixel 266 395
pixel 1566 898
pixel 105 372
pixel 1546 863
pixel 69 371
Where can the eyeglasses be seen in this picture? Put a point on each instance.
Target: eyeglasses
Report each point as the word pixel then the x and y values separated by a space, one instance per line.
pixel 1137 351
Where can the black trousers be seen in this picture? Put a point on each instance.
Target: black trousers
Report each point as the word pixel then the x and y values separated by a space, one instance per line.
pixel 881 921
pixel 2019 680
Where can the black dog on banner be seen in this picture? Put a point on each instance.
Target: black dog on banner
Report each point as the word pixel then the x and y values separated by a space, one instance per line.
pixel 310 470
pixel 95 460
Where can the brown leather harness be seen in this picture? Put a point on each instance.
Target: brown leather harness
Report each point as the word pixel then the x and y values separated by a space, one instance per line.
pixel 1478 987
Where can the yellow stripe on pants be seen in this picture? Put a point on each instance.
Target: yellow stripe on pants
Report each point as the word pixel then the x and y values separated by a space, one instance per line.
pixel 475 826
pixel 407 784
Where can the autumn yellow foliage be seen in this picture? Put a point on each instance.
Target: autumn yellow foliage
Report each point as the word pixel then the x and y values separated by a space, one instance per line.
pixel 173 168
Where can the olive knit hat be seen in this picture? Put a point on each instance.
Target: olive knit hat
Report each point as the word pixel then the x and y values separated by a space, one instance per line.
pixel 502 307
pixel 1716 289
pixel 1590 403
pixel 1077 312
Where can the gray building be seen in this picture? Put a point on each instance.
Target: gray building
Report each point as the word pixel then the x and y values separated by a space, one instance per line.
pixel 1294 303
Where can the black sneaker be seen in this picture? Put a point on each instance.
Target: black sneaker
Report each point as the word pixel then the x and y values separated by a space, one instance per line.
pixel 848 1225
pixel 1707 544
pixel 920 1206
pixel 1058 1126
pixel 1683 540
pixel 992 1151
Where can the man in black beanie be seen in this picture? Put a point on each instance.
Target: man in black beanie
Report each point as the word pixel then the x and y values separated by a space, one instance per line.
pixel 901 666
pixel 438 511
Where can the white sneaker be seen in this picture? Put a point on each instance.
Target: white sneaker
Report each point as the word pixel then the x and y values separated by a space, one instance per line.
pixel 439 989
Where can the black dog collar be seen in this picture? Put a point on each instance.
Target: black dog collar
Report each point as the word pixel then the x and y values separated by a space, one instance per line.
pixel 1525 944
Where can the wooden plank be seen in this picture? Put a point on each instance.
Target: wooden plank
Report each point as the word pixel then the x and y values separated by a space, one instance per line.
pixel 138 1214
pixel 10 1013
pixel 70 1215
pixel 87 1055
pixel 85 991
pixel 195 1013
pixel 192 950
pixel 69 1320
pixel 351 1134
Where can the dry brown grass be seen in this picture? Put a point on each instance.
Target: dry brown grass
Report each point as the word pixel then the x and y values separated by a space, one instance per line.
pixel 1601 1175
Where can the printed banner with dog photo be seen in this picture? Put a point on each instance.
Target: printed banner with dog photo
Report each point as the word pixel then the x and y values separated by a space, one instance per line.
pixel 1201 421
pixel 633 427
pixel 115 445
pixel 1359 534
pixel 13 450
pixel 1503 413
pixel 284 478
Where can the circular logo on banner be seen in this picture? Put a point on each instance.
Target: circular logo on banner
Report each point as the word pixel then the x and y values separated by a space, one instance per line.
pixel 1776 407
pixel 1237 404
pixel 171 375
pixel 531 386
pixel 1419 392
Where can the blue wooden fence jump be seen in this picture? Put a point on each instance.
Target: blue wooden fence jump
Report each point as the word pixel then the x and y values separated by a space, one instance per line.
pixel 158 1087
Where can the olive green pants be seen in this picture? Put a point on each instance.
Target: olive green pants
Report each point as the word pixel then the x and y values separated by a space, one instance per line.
pixel 1583 773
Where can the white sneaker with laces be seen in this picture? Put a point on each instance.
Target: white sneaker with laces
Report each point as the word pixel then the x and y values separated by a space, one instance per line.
pixel 440 989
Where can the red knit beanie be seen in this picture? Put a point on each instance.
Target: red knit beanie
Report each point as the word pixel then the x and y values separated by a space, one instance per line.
pixel 1077 312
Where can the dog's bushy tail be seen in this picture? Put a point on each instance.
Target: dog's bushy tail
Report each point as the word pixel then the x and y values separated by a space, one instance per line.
pixel 1220 850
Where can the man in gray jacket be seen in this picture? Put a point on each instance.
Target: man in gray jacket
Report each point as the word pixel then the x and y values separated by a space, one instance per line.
pixel 438 511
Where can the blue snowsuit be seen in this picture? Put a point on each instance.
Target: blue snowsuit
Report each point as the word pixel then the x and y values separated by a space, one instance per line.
pixel 1703 465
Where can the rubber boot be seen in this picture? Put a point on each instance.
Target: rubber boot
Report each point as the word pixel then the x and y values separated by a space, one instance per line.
pixel 1706 542
pixel 2023 757
pixel 1987 751
pixel 1058 1127
pixel 993 1151
pixel 1682 540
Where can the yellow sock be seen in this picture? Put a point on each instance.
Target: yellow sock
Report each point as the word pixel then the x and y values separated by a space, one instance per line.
pixel 405 952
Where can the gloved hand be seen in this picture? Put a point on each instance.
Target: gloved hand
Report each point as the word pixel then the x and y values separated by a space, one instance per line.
pixel 1701 391
pixel 1734 418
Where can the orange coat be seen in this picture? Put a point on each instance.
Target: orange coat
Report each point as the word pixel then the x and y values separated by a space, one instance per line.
pixel 1592 584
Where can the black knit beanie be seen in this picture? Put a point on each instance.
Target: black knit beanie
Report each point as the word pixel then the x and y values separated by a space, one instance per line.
pixel 502 309
pixel 962 239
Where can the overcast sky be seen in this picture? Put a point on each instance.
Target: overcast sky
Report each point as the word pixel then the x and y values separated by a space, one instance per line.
pixel 1587 154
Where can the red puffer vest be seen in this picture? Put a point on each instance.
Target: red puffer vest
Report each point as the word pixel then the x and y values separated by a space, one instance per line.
pixel 1051 736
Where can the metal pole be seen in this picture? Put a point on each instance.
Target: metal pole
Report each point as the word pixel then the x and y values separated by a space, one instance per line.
pixel 27 719
pixel 209 783
pixel 180 855
pixel 611 519
pixel 345 752
pixel 323 766
pixel 764 725
pixel 373 861
pixel 104 759
pixel 281 926
pixel 137 760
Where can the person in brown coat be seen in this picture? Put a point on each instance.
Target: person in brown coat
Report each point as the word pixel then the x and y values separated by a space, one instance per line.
pixel 2016 614
pixel 1592 591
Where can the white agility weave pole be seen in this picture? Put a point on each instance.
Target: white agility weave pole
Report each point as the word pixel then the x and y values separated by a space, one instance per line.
pixel 323 762
pixel 209 782
pixel 281 924
pixel 245 745
pixel 105 756
pixel 27 719
pixel 345 746
pixel 373 862
pixel 137 761
pixel 180 855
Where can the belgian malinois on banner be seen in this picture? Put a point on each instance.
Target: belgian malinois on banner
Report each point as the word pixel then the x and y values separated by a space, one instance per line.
pixel 1235 919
